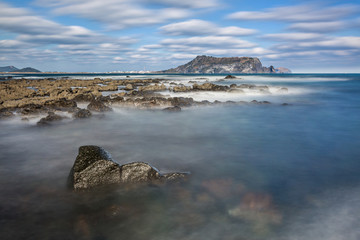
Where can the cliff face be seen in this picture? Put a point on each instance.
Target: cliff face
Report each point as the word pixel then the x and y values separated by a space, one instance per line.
pixel 206 64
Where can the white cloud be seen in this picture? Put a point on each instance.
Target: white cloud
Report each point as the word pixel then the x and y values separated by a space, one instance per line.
pixel 299 13
pixel 324 27
pixel 116 15
pixel 219 41
pixel 294 36
pixel 195 27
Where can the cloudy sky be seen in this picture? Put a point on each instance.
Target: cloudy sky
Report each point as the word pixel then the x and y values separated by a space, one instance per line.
pixel 111 35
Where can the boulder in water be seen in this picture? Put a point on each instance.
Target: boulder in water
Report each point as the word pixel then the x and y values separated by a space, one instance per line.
pixel 98 106
pixel 94 167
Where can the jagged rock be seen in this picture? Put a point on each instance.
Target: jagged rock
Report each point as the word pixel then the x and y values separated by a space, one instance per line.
pixel 233 85
pixel 98 106
pixel 82 113
pixel 138 172
pixel 229 77
pixel 155 87
pixel 129 87
pixel 94 167
pixel 61 104
pixel 172 109
pixel 181 101
pixel 182 88
pixel 85 97
pixel 209 87
pixel 33 109
pixel 51 117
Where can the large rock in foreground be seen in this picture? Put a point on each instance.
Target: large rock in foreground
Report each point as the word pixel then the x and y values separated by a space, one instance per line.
pixel 94 167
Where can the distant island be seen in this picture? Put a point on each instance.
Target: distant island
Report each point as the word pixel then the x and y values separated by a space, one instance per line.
pixel 15 69
pixel 208 64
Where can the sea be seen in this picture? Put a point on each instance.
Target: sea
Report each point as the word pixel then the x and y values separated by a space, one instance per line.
pixel 258 171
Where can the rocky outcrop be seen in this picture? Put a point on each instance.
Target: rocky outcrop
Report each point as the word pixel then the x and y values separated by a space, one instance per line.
pixel 94 167
pixel 82 113
pixel 172 109
pixel 98 106
pixel 209 65
pixel 50 118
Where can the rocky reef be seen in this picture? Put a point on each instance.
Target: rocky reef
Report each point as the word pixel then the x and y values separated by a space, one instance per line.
pixel 94 167
pixel 209 65
pixel 56 100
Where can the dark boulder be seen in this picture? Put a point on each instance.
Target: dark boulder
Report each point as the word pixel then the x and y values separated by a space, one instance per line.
pixel 94 167
pixel 229 77
pixel 172 109
pixel 50 118
pixel 181 101
pixel 82 113
pixel 98 106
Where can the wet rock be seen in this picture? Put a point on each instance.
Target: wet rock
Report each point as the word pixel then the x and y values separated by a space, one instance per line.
pixel 98 106
pixel 94 167
pixel 85 97
pixel 209 87
pixel 33 109
pixel 181 101
pixel 129 87
pixel 236 90
pixel 138 172
pixel 61 104
pixel 282 90
pixel 108 88
pixel 174 177
pixel 172 109
pixel 5 113
pixel 257 208
pixel 82 113
pixel 233 85
pixel 50 118
pixel 182 88
pixel 260 102
pixel 230 77
pixel 155 87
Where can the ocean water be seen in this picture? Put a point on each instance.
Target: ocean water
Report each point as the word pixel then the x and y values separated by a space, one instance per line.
pixel 257 171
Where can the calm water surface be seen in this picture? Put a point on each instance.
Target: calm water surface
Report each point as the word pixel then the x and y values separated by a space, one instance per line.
pixel 258 171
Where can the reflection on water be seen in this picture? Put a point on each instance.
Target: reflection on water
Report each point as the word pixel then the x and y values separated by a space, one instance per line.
pixel 258 172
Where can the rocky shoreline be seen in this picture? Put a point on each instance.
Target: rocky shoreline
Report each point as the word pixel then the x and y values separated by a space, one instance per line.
pixel 60 98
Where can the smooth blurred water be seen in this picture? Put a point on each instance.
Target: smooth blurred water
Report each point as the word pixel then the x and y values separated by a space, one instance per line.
pixel 258 171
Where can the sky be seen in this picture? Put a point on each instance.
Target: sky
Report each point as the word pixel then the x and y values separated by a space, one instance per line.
pixel 127 35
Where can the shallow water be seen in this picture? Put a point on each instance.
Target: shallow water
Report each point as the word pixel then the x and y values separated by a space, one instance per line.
pixel 258 171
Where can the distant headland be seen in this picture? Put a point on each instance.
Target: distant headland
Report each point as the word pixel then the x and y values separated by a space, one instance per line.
pixel 208 65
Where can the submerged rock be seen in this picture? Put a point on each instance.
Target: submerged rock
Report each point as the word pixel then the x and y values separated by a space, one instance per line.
pixel 172 109
pixel 5 113
pixel 94 167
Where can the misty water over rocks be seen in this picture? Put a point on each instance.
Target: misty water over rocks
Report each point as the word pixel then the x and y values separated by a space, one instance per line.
pixel 258 171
